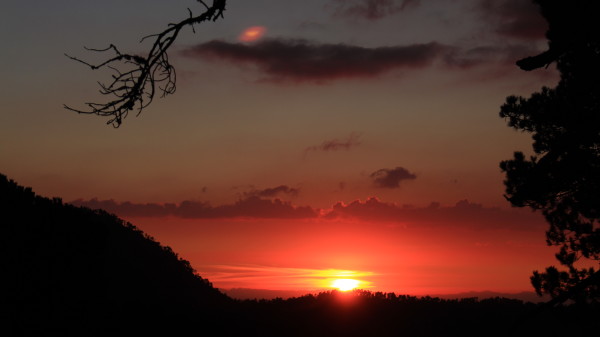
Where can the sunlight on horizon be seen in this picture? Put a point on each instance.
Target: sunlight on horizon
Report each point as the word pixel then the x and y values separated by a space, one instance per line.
pixel 285 278
pixel 345 284
pixel 344 280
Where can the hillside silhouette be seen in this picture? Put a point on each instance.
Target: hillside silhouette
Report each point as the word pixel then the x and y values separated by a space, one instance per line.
pixel 73 271
pixel 68 270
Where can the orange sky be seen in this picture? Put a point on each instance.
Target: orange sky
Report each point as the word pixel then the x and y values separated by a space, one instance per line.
pixel 419 255
pixel 343 137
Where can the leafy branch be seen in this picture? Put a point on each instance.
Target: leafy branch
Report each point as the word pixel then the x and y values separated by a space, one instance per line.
pixel 137 79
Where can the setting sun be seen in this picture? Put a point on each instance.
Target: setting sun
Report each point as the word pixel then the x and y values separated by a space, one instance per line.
pixel 345 284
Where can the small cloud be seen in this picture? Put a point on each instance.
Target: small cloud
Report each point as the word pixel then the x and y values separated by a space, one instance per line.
pixel 391 178
pixel 352 141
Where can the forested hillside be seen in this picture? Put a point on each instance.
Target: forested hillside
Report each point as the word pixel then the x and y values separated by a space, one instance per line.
pixel 70 271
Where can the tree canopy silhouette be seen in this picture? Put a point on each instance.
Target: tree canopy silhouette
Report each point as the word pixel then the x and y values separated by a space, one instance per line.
pixel 137 78
pixel 562 178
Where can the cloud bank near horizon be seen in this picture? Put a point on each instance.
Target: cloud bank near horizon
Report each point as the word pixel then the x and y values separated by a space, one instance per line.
pixel 463 214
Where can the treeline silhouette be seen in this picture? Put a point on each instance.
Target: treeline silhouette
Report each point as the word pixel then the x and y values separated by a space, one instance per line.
pixel 73 271
pixel 365 313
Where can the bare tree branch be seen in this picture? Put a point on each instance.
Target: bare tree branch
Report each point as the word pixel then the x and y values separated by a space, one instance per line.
pixel 137 79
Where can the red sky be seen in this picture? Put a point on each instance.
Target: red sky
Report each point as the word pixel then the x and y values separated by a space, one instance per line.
pixel 267 243
pixel 352 135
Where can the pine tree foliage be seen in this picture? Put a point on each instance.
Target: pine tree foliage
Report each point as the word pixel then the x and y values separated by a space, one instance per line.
pixel 562 178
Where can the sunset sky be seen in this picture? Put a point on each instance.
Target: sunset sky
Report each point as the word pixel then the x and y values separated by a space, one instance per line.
pixel 307 141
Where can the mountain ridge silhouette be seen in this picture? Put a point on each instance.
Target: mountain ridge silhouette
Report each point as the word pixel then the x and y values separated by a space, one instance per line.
pixel 68 269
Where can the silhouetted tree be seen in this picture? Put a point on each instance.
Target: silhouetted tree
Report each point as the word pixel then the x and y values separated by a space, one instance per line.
pixel 138 78
pixel 562 178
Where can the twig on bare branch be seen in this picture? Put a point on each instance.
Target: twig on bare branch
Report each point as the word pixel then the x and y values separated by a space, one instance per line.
pixel 137 79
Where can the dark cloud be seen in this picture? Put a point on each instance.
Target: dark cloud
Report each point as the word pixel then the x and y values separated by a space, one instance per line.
pixel 500 56
pixel 128 208
pixel 285 60
pixel 369 9
pixel 463 214
pixel 514 18
pixel 391 178
pixel 352 141
pixel 274 191
pixel 250 207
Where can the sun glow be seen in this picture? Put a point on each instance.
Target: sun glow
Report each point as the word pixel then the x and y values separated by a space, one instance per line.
pixel 345 284
pixel 252 34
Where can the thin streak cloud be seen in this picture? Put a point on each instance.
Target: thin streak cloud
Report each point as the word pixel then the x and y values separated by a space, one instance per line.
pixel 281 277
pixel 273 192
pixel 351 142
